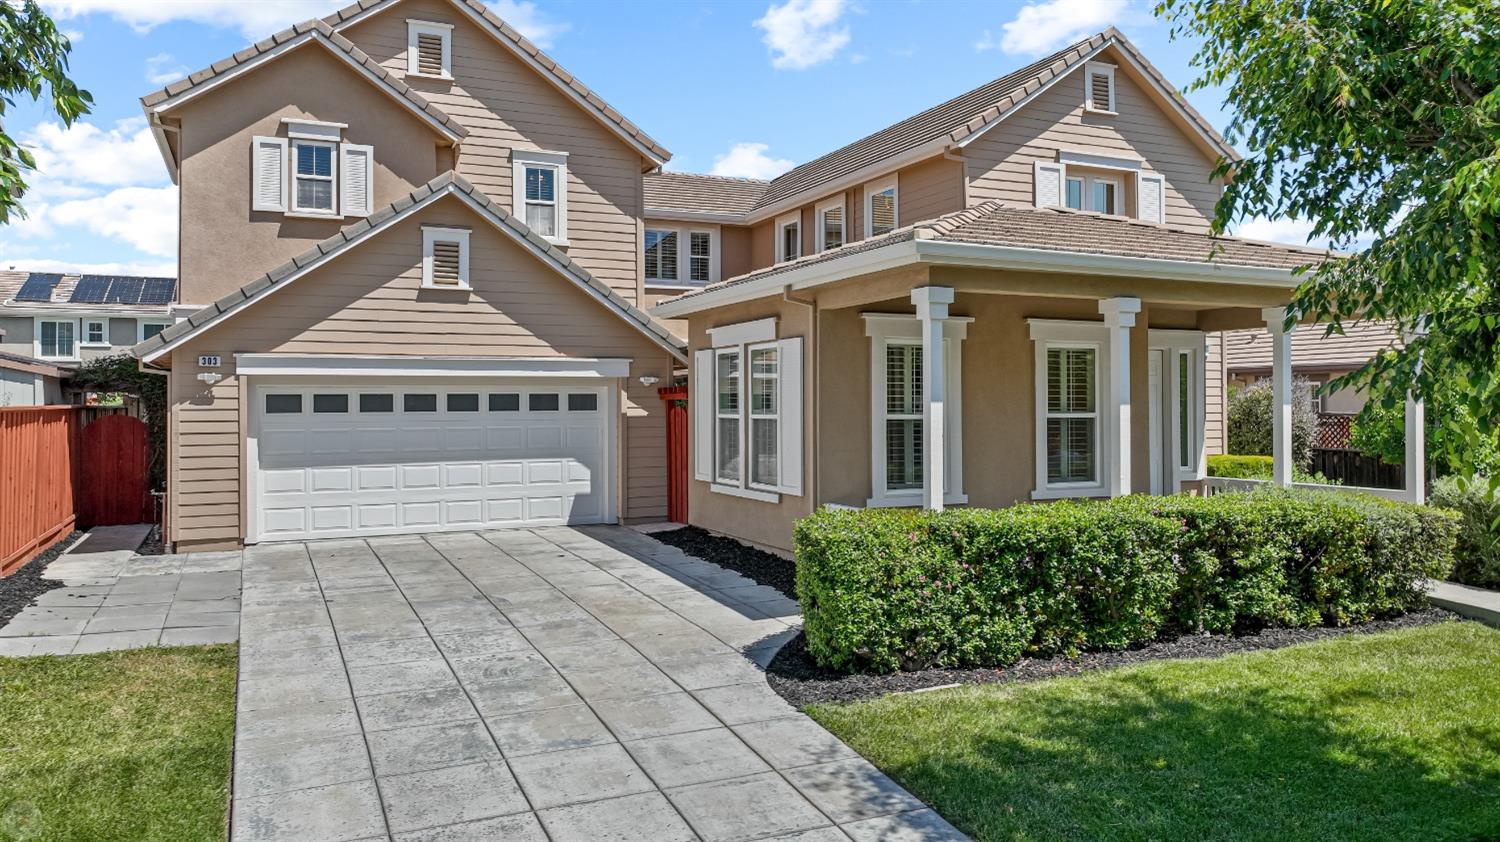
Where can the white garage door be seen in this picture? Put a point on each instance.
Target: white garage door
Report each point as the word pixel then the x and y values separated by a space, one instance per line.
pixel 336 461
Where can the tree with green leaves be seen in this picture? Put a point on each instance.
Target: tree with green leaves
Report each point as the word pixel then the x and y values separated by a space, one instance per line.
pixel 33 56
pixel 1374 120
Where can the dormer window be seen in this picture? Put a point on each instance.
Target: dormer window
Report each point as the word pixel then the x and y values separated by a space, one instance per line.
pixel 1099 87
pixel 429 49
pixel 445 257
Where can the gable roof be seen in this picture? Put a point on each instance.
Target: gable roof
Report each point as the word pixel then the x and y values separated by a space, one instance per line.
pixel 257 54
pixel 447 184
pixel 690 194
pixel 1043 239
pixel 1312 346
pixel 126 294
pixel 529 54
pixel 967 116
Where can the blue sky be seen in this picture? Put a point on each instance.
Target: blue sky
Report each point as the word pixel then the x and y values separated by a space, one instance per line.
pixel 737 87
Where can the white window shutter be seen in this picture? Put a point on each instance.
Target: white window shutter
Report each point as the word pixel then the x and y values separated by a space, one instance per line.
pixel 701 398
pixel 789 423
pixel 1151 199
pixel 357 174
pixel 1048 179
pixel 268 173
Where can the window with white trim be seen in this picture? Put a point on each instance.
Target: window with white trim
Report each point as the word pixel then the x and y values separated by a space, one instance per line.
pixel 1074 197
pixel 95 332
pixel 1072 448
pixel 56 339
pixel 789 236
pixel 540 192
pixel 1099 87
pixel 429 49
pixel 314 174
pixel 680 257
pixel 700 256
pixel 445 257
pixel 145 330
pixel 1104 195
pixel 748 428
pixel 896 409
pixel 830 224
pixel 661 256
pixel 1186 458
pixel 1184 356
pixel 881 212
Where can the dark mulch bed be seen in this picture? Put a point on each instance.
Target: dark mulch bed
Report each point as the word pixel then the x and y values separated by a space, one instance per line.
pixel 21 587
pixel 800 681
pixel 765 568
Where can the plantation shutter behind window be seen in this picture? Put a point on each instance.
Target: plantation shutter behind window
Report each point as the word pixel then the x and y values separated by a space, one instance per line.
pixel 1150 199
pixel 790 416
pixel 358 170
pixel 268 174
pixel 701 398
pixel 1048 184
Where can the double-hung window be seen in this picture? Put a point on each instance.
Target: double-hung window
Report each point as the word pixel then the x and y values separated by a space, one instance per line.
pixel 540 192
pixel 95 332
pixel 56 339
pixel 903 415
pixel 881 213
pixel 314 170
pixel 661 256
pixel 1072 415
pixel 748 424
pixel 897 431
pixel 700 256
pixel 830 221
pixel 789 236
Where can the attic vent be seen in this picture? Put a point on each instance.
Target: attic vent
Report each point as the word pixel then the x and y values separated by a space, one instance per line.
pixel 430 54
pixel 1101 87
pixel 445 258
pixel 429 49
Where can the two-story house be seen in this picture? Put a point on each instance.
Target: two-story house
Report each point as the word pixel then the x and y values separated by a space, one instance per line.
pixel 423 253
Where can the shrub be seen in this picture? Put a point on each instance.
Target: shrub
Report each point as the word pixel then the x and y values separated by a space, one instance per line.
pixel 1478 551
pixel 1248 421
pixel 885 589
pixel 1257 467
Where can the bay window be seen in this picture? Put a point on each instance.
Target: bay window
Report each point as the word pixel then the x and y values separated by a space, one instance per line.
pixel 748 425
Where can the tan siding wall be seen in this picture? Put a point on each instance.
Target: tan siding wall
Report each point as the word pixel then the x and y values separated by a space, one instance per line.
pixel 1000 162
pixel 225 245
pixel 370 302
pixel 506 105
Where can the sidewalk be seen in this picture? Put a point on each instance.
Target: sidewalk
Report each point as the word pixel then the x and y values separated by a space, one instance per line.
pixel 1474 603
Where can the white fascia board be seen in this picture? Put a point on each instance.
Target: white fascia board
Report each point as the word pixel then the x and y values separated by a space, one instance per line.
pixel 355 365
pixel 669 215
pixel 159 134
pixel 74 312
pixel 871 172
pixel 1045 260
pixel 1041 89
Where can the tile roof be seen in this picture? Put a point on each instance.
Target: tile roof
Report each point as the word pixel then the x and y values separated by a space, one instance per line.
pixel 449 183
pixel 307 30
pixel 693 193
pixel 960 118
pixel 12 281
pixel 992 223
pixel 508 36
pixel 1312 346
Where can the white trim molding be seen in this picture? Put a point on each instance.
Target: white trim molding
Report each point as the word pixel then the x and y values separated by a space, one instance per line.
pixel 1192 344
pixel 383 365
pixel 444 33
pixel 743 333
pixel 1090 70
pixel 73 337
pixel 782 223
pixel 431 236
pixel 885 329
pixel 520 159
pixel 874 188
pixel 820 210
pixel 1048 334
pixel 1103 162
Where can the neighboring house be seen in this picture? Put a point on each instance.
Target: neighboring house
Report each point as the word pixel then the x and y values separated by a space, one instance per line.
pixel 66 319
pixel 26 381
pixel 1317 357
pixel 1034 252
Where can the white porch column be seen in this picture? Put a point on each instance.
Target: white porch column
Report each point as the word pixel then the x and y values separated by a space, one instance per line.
pixel 932 309
pixel 1281 395
pixel 1416 450
pixel 1119 317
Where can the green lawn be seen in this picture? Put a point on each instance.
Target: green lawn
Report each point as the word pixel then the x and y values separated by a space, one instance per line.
pixel 1393 736
pixel 119 746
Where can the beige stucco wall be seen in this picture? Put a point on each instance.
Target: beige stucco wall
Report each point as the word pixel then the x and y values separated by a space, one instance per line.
pixel 1000 161
pixel 506 105
pixel 369 301
pixel 225 245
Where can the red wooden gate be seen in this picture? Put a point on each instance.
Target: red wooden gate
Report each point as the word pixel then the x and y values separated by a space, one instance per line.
pixel 677 452
pixel 38 480
pixel 115 487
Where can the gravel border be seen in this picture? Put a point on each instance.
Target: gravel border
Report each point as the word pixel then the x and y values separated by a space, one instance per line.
pixel 22 587
pixel 763 567
pixel 797 679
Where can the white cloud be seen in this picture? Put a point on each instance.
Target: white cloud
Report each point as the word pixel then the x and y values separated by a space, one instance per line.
pixel 256 19
pixel 161 270
pixel 802 33
pixel 1043 27
pixel 83 153
pixel 1298 232
pixel 749 160
pixel 143 217
pixel 162 70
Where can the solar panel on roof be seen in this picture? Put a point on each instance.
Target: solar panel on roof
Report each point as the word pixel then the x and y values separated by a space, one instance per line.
pixel 38 286
pixel 91 289
pixel 159 291
pixel 124 290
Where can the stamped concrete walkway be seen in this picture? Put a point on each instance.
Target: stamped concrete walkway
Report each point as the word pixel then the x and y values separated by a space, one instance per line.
pixel 556 684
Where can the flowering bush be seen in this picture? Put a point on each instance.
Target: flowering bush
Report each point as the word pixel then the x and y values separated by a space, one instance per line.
pixel 890 589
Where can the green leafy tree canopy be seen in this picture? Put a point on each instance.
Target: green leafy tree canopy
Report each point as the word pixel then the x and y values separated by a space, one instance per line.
pixel 1373 118
pixel 33 56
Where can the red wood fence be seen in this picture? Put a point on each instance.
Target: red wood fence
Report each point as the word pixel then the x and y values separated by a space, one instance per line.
pixel 116 488
pixel 678 470
pixel 38 477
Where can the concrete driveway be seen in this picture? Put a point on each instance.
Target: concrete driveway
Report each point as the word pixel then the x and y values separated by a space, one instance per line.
pixel 551 684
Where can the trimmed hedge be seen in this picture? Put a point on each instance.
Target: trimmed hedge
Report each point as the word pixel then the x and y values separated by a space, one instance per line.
pixel 890 589
pixel 1240 467
pixel 1478 548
